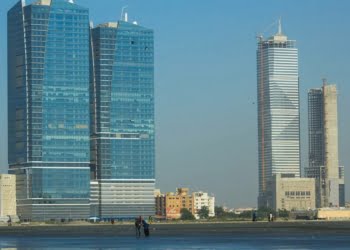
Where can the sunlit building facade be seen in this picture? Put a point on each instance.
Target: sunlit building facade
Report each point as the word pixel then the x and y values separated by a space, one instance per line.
pixel 174 202
pixel 122 111
pixel 292 193
pixel 278 110
pixel 323 147
pixel 200 200
pixel 7 195
pixel 48 108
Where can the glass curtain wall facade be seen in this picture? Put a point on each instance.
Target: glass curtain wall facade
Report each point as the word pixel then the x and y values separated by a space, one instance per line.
pixel 316 135
pixel 123 134
pixel 48 108
pixel 278 111
pixel 316 141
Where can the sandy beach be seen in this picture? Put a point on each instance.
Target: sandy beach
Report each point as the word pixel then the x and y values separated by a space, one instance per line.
pixel 183 229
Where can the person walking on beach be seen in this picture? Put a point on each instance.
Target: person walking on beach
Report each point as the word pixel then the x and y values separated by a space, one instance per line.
pixel 145 228
pixel 138 222
pixel 254 216
pixel 9 221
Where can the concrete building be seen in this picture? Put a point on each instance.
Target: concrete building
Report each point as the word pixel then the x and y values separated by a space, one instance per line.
pixel 176 201
pixel 7 195
pixel 200 200
pixel 323 147
pixel 291 193
pixel 160 201
pixel 278 110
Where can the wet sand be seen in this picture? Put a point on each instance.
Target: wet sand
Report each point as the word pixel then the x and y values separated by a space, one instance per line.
pixel 186 229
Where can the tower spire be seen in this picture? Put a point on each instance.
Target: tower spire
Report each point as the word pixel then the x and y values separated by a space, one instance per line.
pixel 279 26
pixel 124 14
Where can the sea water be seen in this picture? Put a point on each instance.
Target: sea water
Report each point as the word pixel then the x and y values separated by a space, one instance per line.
pixel 251 241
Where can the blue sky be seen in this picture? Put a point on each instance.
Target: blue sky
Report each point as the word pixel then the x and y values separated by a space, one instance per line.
pixel 205 80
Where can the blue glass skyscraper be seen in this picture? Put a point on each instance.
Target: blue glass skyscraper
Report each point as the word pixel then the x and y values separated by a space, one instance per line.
pixel 123 138
pixel 49 54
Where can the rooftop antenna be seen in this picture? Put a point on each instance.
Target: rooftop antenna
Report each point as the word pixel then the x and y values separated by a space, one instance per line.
pixel 124 16
pixel 279 26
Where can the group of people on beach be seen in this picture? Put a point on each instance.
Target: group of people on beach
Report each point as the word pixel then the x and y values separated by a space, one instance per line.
pixel 139 222
pixel 270 217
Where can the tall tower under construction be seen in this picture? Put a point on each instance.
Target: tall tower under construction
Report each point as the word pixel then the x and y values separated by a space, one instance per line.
pixel 323 146
pixel 278 110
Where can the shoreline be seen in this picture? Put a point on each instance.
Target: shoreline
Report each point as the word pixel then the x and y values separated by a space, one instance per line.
pixel 330 228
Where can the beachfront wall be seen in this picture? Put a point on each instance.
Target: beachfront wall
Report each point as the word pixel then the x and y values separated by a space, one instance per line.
pixel 333 214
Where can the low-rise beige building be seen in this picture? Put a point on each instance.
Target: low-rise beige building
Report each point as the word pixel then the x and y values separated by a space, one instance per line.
pixel 175 202
pixel 333 214
pixel 291 193
pixel 7 195
pixel 169 205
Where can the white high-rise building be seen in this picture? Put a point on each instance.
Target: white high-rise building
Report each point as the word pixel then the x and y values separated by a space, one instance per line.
pixel 278 110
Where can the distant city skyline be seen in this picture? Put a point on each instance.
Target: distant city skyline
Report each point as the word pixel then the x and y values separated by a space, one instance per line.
pixel 205 83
